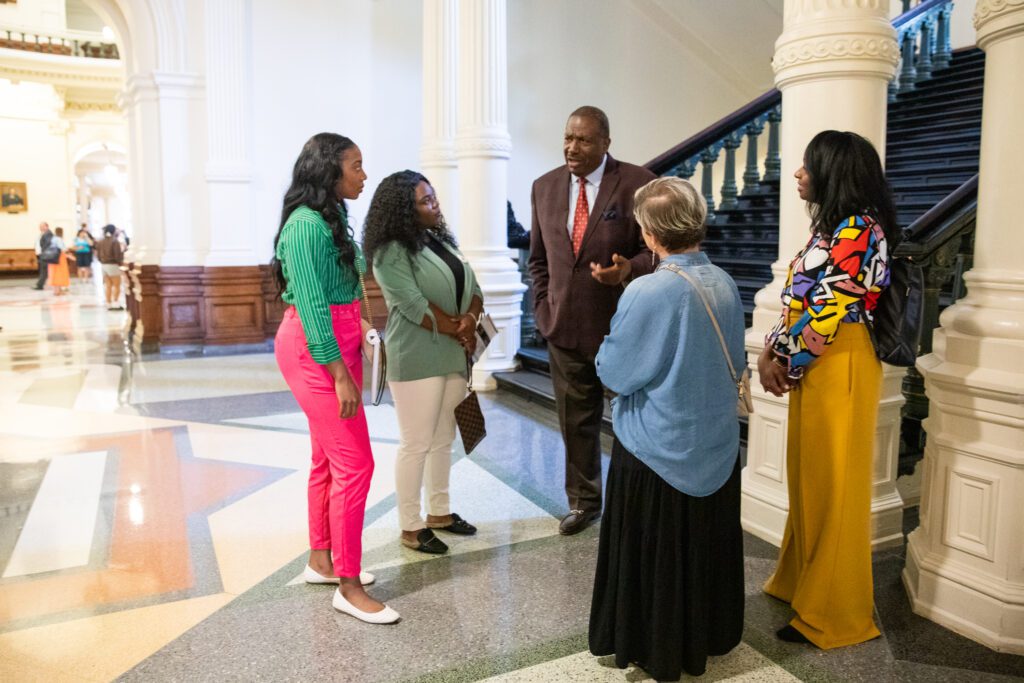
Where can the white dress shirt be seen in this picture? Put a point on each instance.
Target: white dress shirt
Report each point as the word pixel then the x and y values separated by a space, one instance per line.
pixel 593 185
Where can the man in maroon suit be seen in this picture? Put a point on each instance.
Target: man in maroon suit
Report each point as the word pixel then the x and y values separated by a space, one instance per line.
pixel 585 246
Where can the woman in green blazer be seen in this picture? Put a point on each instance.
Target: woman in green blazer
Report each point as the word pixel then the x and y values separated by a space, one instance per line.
pixel 433 302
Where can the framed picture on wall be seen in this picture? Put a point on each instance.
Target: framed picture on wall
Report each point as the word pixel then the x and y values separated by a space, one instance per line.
pixel 13 197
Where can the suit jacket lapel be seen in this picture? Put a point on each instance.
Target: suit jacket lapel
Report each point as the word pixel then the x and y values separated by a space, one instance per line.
pixel 609 183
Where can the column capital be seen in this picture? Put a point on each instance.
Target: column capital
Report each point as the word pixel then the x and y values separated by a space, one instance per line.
pixel 827 39
pixel 996 20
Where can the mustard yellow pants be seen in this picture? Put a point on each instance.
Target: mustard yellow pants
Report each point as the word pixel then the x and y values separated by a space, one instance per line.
pixel 824 568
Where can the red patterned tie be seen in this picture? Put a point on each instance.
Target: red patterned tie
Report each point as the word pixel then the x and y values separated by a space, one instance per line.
pixel 580 217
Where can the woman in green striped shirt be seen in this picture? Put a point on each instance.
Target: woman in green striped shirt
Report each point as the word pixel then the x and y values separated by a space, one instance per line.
pixel 317 265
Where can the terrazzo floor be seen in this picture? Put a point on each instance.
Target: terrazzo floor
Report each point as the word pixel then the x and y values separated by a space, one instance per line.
pixel 153 528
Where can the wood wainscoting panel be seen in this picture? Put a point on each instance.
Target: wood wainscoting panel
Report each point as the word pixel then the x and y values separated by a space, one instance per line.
pixel 180 290
pixel 273 307
pixel 233 302
pixel 217 305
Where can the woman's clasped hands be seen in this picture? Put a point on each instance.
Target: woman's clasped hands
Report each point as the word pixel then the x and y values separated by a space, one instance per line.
pixel 774 376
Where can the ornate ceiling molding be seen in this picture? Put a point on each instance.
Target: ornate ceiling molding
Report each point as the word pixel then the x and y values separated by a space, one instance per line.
pixel 61 71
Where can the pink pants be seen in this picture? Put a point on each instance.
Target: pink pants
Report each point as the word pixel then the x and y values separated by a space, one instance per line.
pixel 339 478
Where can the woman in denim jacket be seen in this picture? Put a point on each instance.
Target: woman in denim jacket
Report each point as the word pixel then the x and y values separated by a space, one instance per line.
pixel 669 585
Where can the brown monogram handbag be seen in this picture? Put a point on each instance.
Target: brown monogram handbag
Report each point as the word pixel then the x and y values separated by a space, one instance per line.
pixel 468 415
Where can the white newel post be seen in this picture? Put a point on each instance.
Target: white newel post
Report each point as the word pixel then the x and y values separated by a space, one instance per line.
pixel 965 563
pixel 228 167
pixel 833 63
pixel 440 90
pixel 483 146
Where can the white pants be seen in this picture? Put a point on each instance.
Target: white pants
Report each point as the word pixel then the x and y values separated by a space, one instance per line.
pixel 426 425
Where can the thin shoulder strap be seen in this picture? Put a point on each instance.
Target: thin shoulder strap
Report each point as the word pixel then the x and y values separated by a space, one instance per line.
pixel 366 296
pixel 707 306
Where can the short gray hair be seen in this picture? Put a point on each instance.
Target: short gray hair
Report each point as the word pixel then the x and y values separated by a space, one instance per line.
pixel 672 211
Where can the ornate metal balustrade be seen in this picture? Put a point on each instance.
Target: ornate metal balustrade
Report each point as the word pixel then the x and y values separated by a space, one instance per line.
pixel 923 35
pixel 942 241
pixel 68 46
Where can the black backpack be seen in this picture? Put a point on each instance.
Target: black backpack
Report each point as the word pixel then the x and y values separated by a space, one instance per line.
pixel 48 251
pixel 899 315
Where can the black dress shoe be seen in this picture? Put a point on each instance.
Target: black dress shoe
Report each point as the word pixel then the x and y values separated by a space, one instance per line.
pixel 577 520
pixel 791 635
pixel 426 542
pixel 457 526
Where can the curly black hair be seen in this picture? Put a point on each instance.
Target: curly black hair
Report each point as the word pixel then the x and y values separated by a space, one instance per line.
pixel 314 177
pixel 392 216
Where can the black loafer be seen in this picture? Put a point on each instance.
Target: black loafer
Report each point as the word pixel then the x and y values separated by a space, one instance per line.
pixel 426 542
pixel 457 526
pixel 577 520
pixel 789 634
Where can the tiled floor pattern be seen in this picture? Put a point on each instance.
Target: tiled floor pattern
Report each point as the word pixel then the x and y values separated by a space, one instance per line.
pixel 152 527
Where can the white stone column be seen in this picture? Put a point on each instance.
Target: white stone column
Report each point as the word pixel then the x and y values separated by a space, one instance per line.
pixel 228 168
pixel 140 103
pixel 965 563
pixel 833 63
pixel 440 91
pixel 483 146
pixel 169 207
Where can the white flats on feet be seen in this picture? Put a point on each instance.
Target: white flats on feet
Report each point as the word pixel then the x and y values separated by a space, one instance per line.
pixel 311 575
pixel 385 616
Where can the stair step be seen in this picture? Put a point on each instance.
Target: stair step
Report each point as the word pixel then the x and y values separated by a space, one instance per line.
pixel 932 160
pixel 962 72
pixel 922 97
pixel 967 142
pixel 954 83
pixel 906 132
pixel 916 196
pixel 945 109
pixel 752 269
pixel 907 178
pixel 950 119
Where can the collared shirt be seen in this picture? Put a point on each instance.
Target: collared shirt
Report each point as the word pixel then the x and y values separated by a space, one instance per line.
pixel 676 404
pixel 316 279
pixel 593 185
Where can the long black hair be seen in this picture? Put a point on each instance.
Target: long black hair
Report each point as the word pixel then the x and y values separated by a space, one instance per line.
pixel 392 216
pixel 846 179
pixel 314 178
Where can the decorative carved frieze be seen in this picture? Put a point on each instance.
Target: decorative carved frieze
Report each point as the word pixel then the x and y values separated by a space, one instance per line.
pixel 846 47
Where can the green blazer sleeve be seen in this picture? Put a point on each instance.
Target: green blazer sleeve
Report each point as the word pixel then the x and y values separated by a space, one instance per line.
pixel 392 268
pixel 307 251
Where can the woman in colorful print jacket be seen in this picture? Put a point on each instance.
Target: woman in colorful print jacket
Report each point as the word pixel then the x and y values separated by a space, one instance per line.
pixel 820 352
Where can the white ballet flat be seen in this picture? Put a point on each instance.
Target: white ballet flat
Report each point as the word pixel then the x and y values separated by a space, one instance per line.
pixel 311 575
pixel 385 616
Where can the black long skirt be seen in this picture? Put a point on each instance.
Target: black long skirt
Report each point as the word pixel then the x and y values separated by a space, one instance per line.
pixel 669 586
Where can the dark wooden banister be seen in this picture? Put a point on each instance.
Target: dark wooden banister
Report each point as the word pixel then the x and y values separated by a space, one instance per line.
pixel 941 222
pixel 923 8
pixel 715 132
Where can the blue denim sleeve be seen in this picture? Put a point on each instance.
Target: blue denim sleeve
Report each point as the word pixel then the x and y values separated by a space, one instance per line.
pixel 640 343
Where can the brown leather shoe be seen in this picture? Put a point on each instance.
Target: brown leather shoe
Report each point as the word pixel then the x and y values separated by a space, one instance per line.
pixel 577 520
